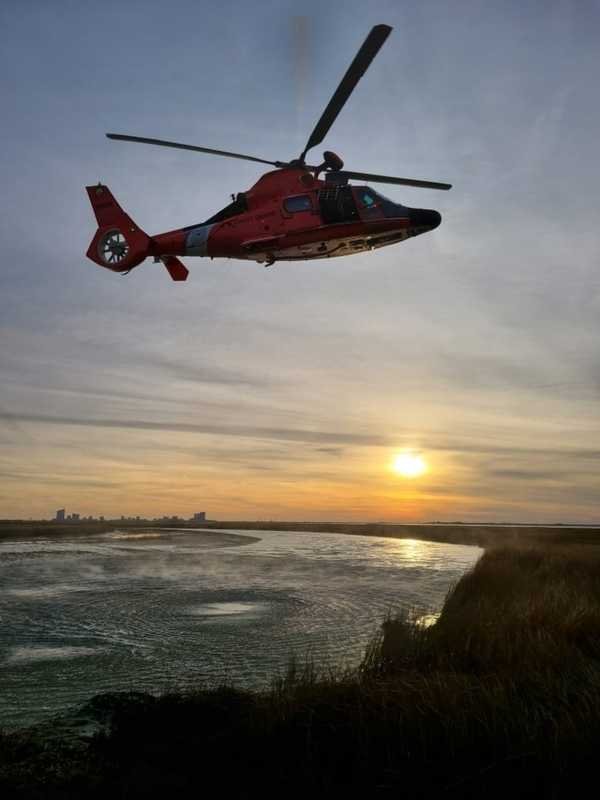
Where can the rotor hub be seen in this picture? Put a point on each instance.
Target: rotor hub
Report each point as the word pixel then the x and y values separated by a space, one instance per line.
pixel 332 161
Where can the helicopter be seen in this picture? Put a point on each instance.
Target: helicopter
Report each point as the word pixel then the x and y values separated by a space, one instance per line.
pixel 290 214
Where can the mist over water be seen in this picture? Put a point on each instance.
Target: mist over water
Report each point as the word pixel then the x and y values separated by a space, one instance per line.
pixel 167 609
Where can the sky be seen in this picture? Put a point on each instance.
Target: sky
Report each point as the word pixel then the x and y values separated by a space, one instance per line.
pixel 286 393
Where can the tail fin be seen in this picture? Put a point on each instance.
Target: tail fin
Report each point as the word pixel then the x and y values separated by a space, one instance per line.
pixel 118 243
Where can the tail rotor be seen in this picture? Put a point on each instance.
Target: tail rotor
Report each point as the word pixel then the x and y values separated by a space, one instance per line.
pixel 113 248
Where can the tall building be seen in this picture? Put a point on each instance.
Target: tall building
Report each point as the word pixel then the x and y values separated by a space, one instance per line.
pixel 200 516
pixel 60 515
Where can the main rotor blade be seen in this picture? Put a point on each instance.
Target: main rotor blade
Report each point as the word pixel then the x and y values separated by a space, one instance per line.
pixel 179 146
pixel 356 70
pixel 367 176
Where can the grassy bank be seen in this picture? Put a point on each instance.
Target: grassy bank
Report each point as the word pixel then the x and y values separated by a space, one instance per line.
pixel 500 697
pixel 16 529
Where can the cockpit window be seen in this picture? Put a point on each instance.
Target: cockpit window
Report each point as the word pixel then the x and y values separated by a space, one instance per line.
pixel 300 202
pixel 368 198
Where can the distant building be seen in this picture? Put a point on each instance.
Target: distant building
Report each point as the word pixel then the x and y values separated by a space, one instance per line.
pixel 75 517
pixel 60 515
pixel 199 516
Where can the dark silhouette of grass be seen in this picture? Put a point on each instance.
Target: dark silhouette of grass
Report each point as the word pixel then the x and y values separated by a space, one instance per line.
pixel 501 697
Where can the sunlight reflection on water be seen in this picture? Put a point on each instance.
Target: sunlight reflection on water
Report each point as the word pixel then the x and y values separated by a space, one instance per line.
pixel 227 609
pixel 20 654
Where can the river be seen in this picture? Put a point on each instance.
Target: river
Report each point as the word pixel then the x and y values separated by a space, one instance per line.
pixel 156 610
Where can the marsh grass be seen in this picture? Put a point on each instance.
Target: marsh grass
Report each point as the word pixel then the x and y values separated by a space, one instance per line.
pixel 501 697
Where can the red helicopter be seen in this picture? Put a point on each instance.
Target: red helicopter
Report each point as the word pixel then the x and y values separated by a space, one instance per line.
pixel 290 214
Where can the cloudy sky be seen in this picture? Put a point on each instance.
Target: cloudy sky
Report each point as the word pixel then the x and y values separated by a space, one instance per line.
pixel 285 393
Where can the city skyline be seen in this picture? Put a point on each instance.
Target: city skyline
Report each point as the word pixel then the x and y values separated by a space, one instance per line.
pixel 62 516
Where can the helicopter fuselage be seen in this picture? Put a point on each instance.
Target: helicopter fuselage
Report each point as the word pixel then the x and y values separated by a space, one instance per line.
pixel 290 215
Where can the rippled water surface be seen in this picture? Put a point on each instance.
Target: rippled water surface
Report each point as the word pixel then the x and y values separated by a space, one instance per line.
pixel 164 609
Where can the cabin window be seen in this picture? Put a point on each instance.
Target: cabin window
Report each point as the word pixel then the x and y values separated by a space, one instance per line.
pixel 300 202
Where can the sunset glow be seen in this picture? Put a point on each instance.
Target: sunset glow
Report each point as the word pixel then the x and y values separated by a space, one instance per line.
pixel 409 465
pixel 450 376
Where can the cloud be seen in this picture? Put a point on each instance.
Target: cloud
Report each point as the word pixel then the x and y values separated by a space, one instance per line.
pixel 335 438
pixel 283 434
pixel 482 447
pixel 72 481
pixel 198 372
pixel 527 474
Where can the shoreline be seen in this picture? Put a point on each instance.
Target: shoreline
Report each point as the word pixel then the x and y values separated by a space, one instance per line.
pixel 480 535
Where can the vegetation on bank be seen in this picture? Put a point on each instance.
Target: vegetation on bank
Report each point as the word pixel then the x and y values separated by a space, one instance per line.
pixel 12 529
pixel 500 697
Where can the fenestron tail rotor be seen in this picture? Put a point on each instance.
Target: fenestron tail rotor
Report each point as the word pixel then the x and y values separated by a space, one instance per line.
pixel 332 163
pixel 113 247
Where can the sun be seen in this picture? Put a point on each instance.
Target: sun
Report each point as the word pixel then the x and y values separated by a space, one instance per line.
pixel 409 465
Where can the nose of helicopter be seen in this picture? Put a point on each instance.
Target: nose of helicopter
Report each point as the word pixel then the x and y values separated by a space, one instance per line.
pixel 425 218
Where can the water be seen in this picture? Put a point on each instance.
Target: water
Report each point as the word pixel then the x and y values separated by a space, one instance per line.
pixel 166 609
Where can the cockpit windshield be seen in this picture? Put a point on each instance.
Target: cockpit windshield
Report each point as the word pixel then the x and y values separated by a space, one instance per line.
pixel 371 196
pixel 368 198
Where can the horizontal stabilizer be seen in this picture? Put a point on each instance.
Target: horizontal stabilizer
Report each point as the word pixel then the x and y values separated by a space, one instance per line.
pixel 175 268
